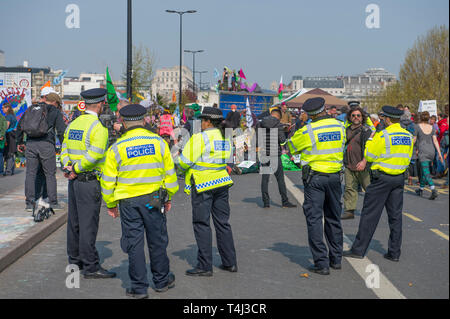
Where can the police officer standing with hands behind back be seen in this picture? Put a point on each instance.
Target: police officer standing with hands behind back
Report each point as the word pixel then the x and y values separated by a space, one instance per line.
pixel 138 174
pixel 390 152
pixel 321 144
pixel 82 155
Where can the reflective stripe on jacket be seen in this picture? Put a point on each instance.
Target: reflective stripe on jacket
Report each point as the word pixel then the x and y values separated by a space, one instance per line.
pixel 321 144
pixel 390 150
pixel 138 163
pixel 204 157
pixel 84 145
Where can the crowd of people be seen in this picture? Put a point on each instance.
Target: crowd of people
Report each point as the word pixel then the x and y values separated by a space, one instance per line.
pixel 110 161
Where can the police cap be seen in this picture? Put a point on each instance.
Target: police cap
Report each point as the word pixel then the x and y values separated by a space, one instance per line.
pixel 93 96
pixel 133 112
pixel 353 103
pixel 392 112
pixel 212 113
pixel 314 105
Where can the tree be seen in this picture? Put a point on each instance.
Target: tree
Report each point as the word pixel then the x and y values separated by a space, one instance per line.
pixel 424 75
pixel 142 71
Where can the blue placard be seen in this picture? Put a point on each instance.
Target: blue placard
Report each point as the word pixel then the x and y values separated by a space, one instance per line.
pixel 140 150
pixel 329 136
pixel 401 140
pixel 222 146
pixel 76 135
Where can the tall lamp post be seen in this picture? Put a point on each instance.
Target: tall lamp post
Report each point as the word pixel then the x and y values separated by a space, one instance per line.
pixel 129 51
pixel 193 65
pixel 201 72
pixel 180 13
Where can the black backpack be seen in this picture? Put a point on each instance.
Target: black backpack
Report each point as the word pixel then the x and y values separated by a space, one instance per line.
pixel 34 122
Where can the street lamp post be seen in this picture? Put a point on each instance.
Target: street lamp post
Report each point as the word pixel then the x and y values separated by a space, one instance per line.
pixel 201 72
pixel 129 51
pixel 193 65
pixel 180 13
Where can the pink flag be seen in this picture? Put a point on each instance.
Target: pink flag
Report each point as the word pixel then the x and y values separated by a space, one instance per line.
pixel 241 74
pixel 281 88
pixel 251 89
pixel 184 116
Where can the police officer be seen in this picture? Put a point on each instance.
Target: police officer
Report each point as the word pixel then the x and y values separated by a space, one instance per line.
pixel 321 143
pixel 85 142
pixel 204 160
pixel 138 170
pixel 390 152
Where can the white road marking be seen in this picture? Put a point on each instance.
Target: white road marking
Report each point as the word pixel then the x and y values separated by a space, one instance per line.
pixel 386 290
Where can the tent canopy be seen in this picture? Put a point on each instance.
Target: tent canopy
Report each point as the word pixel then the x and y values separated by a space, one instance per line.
pixel 330 100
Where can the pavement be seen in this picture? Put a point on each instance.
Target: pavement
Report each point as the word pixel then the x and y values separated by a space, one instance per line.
pixel 272 251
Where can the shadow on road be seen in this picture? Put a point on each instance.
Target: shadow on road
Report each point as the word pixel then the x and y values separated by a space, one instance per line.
pixel 190 255
pixel 374 244
pixel 103 251
pixel 259 202
pixel 301 255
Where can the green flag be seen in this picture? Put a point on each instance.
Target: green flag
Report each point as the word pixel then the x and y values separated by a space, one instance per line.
pixel 112 96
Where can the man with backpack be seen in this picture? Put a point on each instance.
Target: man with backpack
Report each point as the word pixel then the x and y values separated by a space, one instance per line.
pixel 41 123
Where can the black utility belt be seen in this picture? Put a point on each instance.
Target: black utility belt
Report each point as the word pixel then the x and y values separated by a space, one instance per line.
pixel 324 174
pixel 86 176
pixel 376 173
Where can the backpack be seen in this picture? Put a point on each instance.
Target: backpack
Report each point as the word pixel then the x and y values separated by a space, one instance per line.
pixel 34 122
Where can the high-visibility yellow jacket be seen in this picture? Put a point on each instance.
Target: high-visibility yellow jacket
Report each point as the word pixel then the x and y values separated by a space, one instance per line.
pixel 369 123
pixel 139 163
pixel 321 144
pixel 204 157
pixel 390 150
pixel 85 143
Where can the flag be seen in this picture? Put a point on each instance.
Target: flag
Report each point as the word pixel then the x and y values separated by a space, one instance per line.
pixel 184 115
pixel 58 79
pixel 280 89
pixel 293 96
pixel 216 73
pixel 249 115
pixel 111 95
pixel 47 84
pixel 241 74
pixel 174 96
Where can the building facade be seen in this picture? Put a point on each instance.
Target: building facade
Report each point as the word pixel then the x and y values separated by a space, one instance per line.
pixel 73 86
pixel 167 81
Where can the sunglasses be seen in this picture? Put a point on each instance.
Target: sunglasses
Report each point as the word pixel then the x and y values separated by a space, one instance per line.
pixel 356 115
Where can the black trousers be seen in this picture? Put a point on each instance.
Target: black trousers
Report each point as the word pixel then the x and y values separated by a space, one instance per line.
pixel 40 154
pixel 212 203
pixel 279 175
pixel 322 200
pixel 82 224
pixel 137 221
pixel 41 184
pixel 386 191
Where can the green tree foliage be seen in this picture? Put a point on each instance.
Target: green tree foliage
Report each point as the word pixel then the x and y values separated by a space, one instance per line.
pixel 142 71
pixel 424 75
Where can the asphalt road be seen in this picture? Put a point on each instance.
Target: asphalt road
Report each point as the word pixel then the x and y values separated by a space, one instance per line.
pixel 272 252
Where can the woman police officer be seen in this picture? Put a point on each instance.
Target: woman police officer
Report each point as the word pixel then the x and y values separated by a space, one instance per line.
pixel 204 161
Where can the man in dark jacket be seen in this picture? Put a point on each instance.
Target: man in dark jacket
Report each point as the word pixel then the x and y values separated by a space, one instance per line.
pixel 271 150
pixel 233 118
pixel 41 151
pixel 356 170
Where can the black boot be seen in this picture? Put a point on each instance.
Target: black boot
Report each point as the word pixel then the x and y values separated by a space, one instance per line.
pixel 434 194
pixel 419 192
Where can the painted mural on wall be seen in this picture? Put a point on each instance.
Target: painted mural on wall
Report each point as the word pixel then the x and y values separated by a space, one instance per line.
pixel 20 99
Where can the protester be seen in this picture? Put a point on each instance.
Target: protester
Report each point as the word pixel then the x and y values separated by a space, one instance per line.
pixel 332 111
pixel 356 170
pixel 286 119
pixel 341 117
pixel 375 119
pixel 40 148
pixel 10 139
pixel 268 154
pixel 427 144
pixel 233 118
pixel 3 128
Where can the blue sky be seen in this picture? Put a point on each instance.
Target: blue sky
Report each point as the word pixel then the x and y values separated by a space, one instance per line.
pixel 267 38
